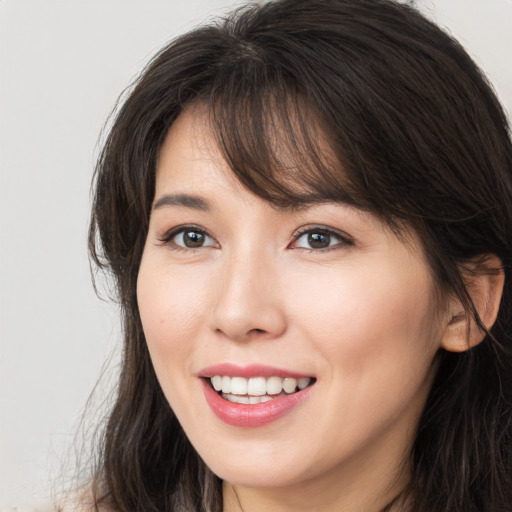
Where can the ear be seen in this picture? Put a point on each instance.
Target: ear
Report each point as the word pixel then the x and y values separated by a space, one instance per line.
pixel 484 280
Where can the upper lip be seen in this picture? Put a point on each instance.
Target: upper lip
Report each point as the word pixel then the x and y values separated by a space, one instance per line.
pixel 248 371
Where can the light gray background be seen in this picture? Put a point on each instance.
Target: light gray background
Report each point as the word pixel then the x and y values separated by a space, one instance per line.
pixel 62 66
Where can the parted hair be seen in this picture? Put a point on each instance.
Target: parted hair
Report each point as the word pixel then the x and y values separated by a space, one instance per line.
pixel 415 136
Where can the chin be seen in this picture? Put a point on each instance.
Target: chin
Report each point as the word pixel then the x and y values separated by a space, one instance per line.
pixel 257 476
pixel 258 464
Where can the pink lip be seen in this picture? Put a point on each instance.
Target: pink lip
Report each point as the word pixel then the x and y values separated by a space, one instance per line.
pixel 255 415
pixel 253 370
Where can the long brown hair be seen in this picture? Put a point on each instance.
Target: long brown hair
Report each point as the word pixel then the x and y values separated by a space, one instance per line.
pixel 421 142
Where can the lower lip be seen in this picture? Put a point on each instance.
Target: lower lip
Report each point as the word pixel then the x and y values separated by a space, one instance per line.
pixel 252 415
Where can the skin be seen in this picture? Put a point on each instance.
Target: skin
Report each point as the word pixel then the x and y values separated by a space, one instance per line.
pixel 358 315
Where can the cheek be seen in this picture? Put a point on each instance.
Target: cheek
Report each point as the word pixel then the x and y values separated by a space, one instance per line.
pixel 365 319
pixel 171 308
pixel 377 334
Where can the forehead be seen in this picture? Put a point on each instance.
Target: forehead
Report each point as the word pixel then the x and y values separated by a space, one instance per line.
pixel 288 178
pixel 189 142
pixel 287 162
pixel 191 165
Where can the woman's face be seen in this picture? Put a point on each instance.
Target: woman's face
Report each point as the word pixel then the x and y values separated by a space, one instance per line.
pixel 235 291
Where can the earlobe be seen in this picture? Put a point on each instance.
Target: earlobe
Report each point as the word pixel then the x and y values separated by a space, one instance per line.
pixel 484 281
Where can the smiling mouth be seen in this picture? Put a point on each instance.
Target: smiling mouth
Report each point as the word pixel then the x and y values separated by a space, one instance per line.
pixel 256 390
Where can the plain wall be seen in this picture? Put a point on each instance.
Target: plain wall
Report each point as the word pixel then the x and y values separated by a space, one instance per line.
pixel 62 66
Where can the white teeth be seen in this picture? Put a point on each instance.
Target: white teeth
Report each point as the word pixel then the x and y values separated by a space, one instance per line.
pixel 217 382
pixel 289 384
pixel 238 386
pixel 226 384
pixel 247 399
pixel 257 386
pixel 303 383
pixel 274 385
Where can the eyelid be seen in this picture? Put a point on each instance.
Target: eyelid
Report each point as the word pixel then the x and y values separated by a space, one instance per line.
pixel 345 239
pixel 166 238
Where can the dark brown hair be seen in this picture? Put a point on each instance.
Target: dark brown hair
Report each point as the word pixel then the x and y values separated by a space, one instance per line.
pixel 419 139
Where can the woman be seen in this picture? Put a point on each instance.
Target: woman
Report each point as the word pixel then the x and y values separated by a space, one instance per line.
pixel 306 211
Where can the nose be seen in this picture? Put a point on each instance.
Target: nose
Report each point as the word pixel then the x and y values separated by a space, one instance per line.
pixel 249 303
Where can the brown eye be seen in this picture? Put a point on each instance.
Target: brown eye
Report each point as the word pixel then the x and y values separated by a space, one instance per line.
pixel 193 239
pixel 189 238
pixel 319 240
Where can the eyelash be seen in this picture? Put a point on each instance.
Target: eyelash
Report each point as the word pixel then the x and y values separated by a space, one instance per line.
pixel 343 239
pixel 167 238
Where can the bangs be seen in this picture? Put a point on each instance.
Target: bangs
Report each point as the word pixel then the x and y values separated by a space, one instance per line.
pixel 275 143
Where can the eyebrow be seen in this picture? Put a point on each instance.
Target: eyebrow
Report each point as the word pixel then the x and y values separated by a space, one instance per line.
pixel 196 202
pixel 186 200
